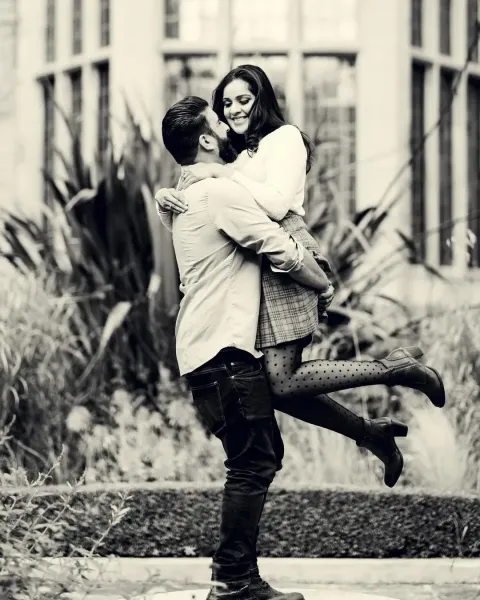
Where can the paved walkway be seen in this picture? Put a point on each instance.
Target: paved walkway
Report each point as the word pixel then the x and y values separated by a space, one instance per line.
pixel 310 594
pixel 195 572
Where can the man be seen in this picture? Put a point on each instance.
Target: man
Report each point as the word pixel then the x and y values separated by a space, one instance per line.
pixel 218 245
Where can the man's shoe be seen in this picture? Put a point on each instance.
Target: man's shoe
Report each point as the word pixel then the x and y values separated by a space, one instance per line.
pixel 261 590
pixel 223 592
pixel 379 438
pixel 403 369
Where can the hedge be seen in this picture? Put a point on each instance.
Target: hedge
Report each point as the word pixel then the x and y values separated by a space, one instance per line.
pixel 180 520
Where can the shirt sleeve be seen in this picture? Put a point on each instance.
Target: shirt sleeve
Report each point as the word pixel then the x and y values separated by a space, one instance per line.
pixel 285 160
pixel 165 216
pixel 235 213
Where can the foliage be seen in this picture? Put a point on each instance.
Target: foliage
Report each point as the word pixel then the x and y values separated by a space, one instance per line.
pixel 363 261
pixel 41 359
pixel 98 242
pixel 31 531
pixel 307 521
pixel 443 449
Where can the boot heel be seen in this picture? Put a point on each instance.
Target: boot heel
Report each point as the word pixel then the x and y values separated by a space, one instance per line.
pixel 398 428
pixel 414 351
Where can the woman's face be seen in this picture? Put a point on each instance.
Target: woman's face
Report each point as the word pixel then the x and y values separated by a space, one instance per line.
pixel 237 104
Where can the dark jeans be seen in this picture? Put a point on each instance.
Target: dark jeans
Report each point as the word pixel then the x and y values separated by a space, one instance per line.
pixel 232 395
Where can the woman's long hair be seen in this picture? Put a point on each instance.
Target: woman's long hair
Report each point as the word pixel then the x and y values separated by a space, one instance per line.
pixel 265 115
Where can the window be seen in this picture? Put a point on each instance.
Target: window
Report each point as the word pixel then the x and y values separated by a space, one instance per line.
pixel 187 75
pixel 472 18
pixel 191 20
pixel 445 138
pixel 274 66
pixel 104 22
pixel 445 29
pixel 330 116
pixel 416 23
pixel 473 141
pixel 77 101
pixel 331 21
pixel 190 75
pixel 48 133
pixel 50 31
pixel 103 111
pixel 417 131
pixel 262 21
pixel 77 26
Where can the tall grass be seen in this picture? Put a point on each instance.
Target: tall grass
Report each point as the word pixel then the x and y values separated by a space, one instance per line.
pixel 41 359
pixel 444 445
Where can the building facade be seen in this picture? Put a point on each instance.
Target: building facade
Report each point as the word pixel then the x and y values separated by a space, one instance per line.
pixel 8 41
pixel 391 88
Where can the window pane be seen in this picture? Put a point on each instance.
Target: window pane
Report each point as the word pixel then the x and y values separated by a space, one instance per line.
pixel 472 16
pixel 445 15
pixel 189 76
pixel 329 21
pixel 103 110
pixel 274 66
pixel 260 21
pixel 191 20
pixel 186 76
pixel 77 27
pixel 445 137
pixel 473 141
pixel 416 22
pixel 50 31
pixel 418 161
pixel 48 133
pixel 77 100
pixel 104 22
pixel 330 116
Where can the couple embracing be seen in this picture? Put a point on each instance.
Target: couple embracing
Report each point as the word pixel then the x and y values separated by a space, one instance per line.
pixel 254 285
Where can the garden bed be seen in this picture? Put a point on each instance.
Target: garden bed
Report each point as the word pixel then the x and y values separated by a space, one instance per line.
pixel 182 520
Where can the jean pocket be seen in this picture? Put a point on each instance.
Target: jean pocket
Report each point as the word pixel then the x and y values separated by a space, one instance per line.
pixel 254 396
pixel 244 369
pixel 208 402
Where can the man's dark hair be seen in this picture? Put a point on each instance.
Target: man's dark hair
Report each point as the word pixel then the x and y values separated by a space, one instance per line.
pixel 182 127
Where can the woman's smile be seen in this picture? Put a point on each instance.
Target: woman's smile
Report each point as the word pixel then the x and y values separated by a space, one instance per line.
pixel 237 104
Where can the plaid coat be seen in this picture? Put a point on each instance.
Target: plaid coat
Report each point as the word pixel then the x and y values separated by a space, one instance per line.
pixel 288 310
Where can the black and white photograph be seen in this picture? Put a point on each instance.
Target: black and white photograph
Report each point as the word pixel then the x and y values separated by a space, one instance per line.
pixel 240 300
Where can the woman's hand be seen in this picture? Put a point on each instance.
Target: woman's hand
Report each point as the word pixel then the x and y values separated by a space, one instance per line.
pixel 171 199
pixel 200 171
pixel 325 299
pixel 323 262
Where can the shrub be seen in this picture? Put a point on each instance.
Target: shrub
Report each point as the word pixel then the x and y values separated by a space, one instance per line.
pixel 31 530
pixel 182 520
pixel 41 360
pixel 443 450
pixel 144 445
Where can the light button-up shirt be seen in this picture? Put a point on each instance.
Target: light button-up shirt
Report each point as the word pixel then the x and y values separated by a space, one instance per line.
pixel 218 245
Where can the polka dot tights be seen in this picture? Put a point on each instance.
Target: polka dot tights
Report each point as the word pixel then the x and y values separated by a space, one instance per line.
pixel 301 389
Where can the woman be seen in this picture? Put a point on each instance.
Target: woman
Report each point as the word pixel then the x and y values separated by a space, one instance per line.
pixel 274 158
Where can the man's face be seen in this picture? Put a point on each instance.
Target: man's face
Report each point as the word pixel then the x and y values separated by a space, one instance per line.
pixel 219 130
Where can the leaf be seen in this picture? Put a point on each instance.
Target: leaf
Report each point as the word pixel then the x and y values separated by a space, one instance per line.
pixel 84 195
pixel 115 320
pixel 394 301
pixel 435 272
